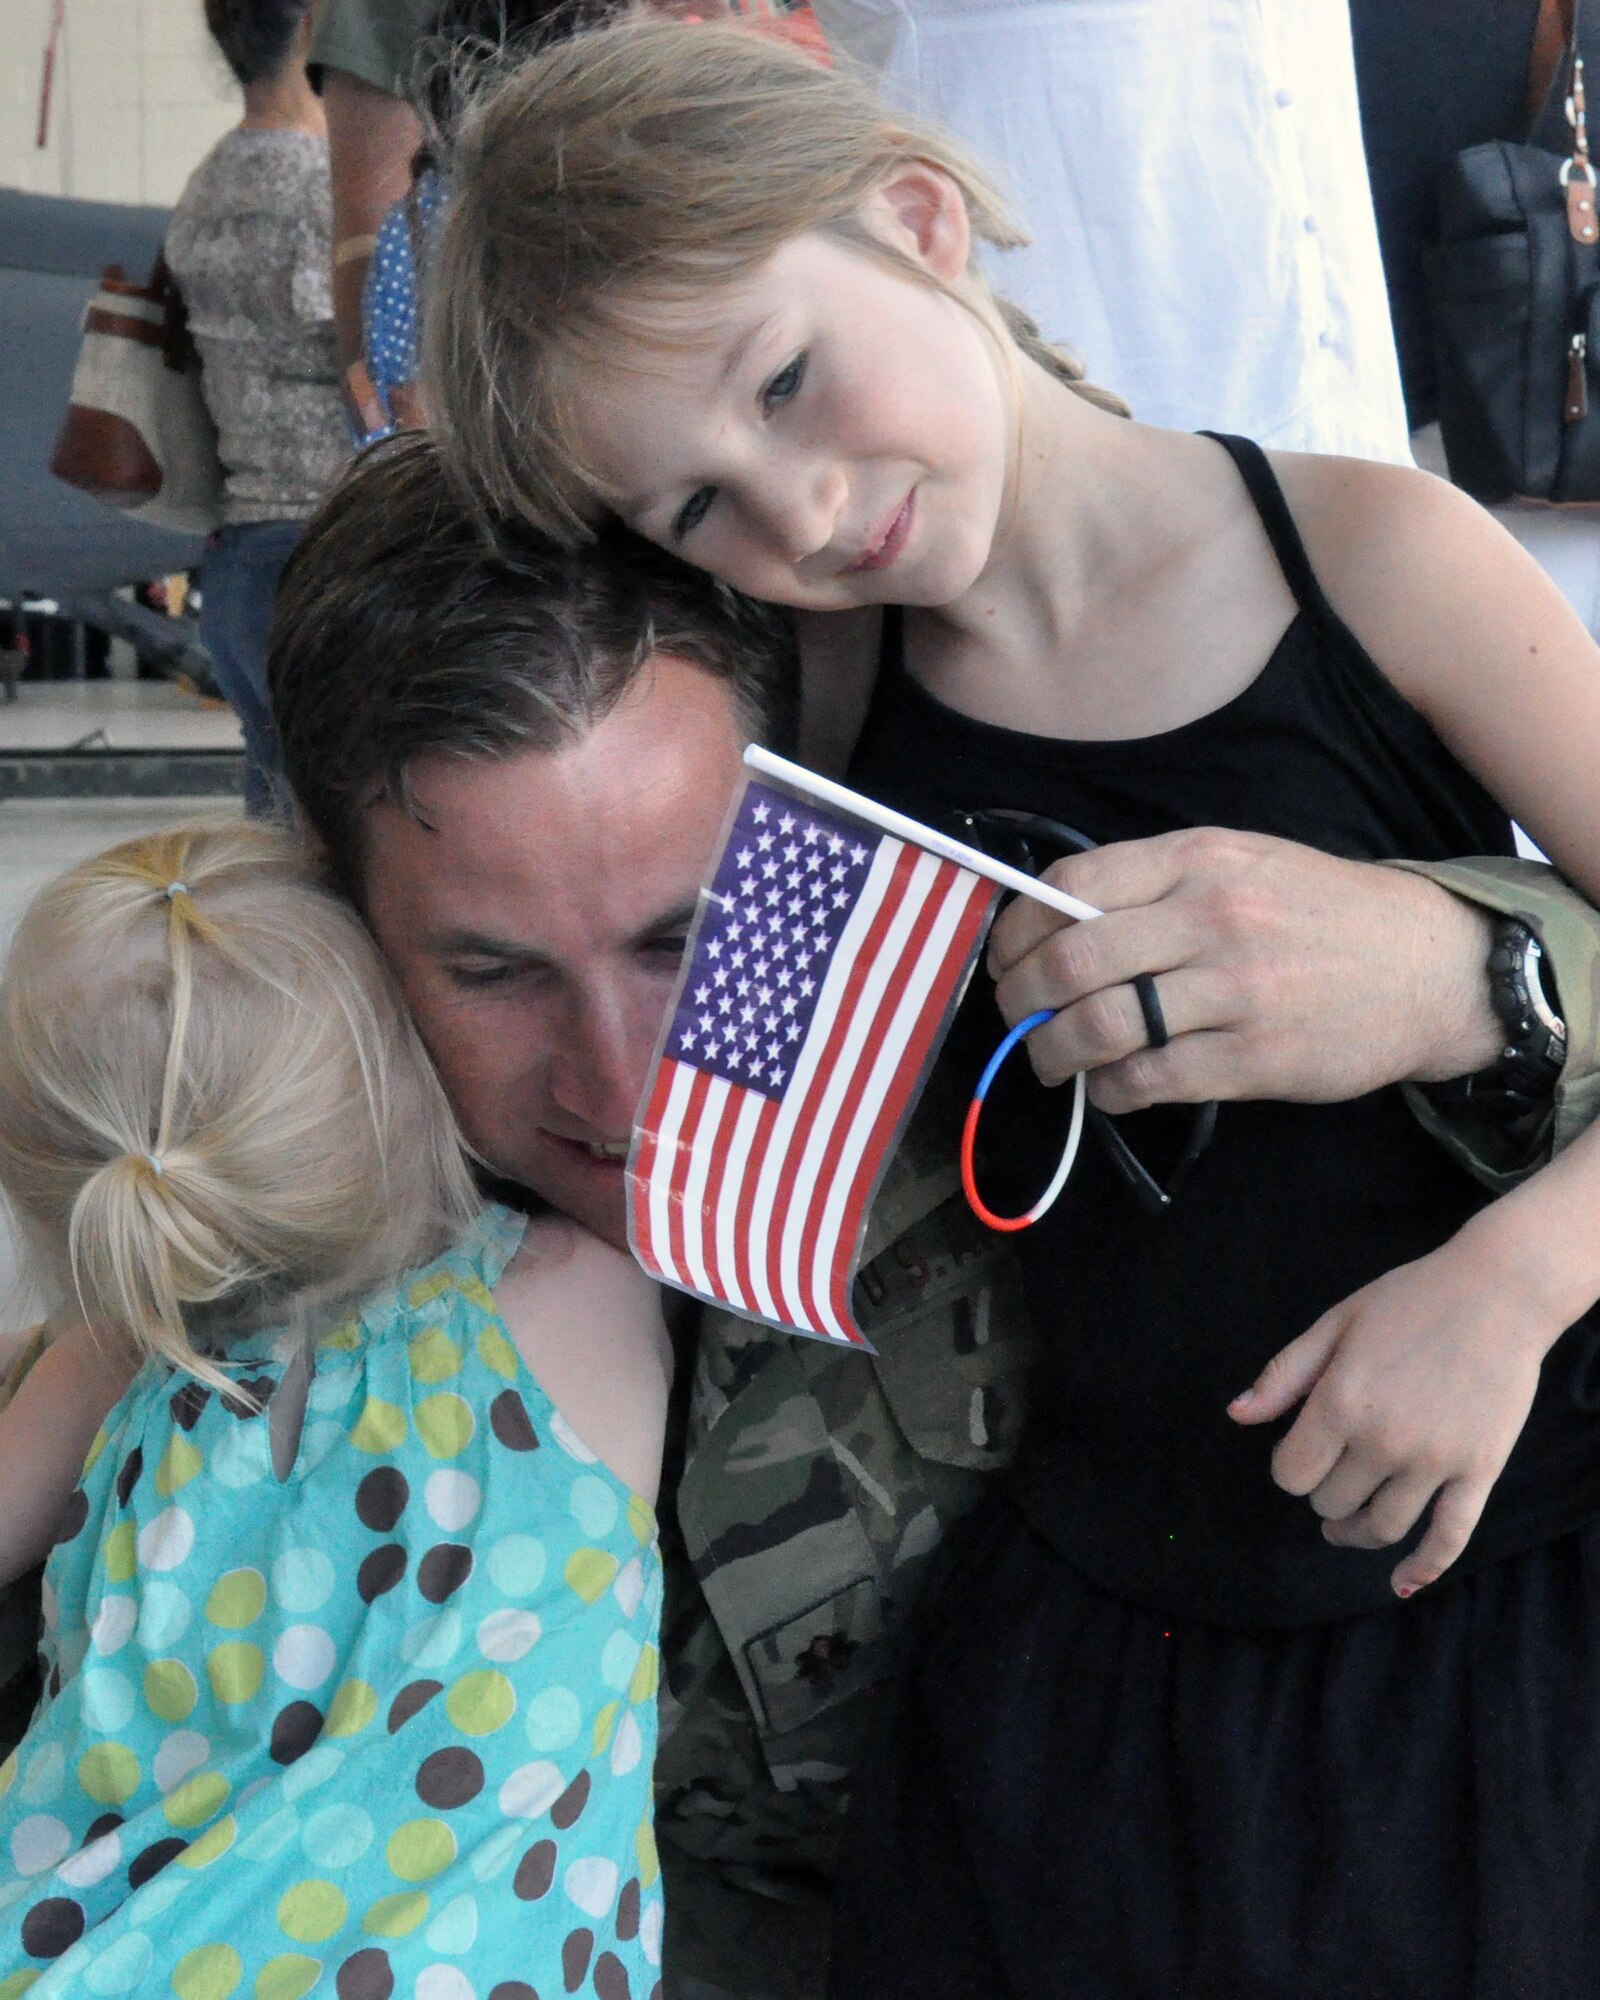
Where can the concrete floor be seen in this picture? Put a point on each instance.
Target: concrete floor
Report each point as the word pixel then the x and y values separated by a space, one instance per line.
pixel 39 839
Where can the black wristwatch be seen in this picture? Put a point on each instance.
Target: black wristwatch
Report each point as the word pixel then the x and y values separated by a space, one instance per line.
pixel 1522 991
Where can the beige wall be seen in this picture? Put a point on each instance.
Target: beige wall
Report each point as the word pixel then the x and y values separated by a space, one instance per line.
pixel 140 94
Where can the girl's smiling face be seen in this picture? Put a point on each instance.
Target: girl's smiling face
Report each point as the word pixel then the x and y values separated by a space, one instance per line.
pixel 837 434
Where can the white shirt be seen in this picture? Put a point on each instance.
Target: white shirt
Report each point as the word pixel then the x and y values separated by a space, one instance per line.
pixel 1193 177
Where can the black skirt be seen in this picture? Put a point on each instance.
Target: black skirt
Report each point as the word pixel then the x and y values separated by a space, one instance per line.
pixel 1080 1801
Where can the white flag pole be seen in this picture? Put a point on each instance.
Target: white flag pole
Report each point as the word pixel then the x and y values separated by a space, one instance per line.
pixel 914 831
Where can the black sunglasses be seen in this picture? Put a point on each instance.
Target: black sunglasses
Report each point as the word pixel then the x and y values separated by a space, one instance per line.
pixel 1031 841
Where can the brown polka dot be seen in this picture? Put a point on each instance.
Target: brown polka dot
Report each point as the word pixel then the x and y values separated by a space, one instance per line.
pixel 365 1975
pixel 535 1871
pixel 565 1811
pixel 575 1958
pixel 187 1404
pixel 512 1425
pixel 381 1498
pixel 611 1978
pixel 413 1696
pixel 381 1571
pixel 154 1858
pixel 257 1389
pixel 52 1927
pixel 628 1911
pixel 449 1778
pixel 128 1475
pixel 106 1823
pixel 53 1685
pixel 294 1730
pixel 443 1570
pixel 77 1512
pixel 513 1989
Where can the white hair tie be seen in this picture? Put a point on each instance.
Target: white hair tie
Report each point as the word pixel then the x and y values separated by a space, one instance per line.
pixel 177 889
pixel 154 1162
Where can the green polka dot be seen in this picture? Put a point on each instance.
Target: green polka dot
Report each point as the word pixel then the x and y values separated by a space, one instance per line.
pixel 644 1845
pixel 425 1290
pixel 590 1572
pixel 445 1424
pixel 237 1599
pixel 8 1774
pixel 496 1352
pixel 197 1799
pixel 420 1849
pixel 17 1983
pixel 290 1977
pixel 646 1677
pixel 380 1427
pixel 180 1463
pixel 479 1293
pixel 343 1339
pixel 641 1518
pixel 234 1670
pixel 311 1911
pixel 354 1705
pixel 171 1690
pixel 109 1773
pixel 212 1844
pixel 122 1546
pixel 604 1723
pixel 480 1703
pixel 396 1916
pixel 210 1973
pixel 102 1438
pixel 434 1356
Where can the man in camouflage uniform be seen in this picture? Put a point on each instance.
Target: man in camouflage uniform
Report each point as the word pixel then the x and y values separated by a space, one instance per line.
pixel 815 1484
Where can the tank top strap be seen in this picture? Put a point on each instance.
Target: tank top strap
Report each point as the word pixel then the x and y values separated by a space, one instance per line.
pixel 491 1243
pixel 1261 482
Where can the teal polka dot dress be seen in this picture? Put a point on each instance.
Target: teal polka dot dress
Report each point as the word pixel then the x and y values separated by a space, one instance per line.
pixel 383 1727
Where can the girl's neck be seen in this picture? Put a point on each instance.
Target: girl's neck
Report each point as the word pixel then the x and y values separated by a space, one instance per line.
pixel 284 103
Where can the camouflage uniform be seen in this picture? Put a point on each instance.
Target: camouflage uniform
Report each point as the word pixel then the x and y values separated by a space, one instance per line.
pixel 818 1483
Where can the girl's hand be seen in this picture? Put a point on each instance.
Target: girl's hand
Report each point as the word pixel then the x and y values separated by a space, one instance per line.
pixel 1415 1391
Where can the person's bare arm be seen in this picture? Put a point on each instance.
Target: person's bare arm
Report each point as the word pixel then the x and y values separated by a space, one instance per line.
pixel 45 1432
pixel 371 139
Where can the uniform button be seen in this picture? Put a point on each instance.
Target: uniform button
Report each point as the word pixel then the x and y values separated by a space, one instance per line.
pixel 1311 225
pixel 1283 99
pixel 1325 338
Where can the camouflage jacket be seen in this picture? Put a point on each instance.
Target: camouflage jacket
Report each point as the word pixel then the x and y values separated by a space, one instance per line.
pixel 818 1483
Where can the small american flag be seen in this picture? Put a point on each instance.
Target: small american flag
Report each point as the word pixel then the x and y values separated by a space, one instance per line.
pixel 825 964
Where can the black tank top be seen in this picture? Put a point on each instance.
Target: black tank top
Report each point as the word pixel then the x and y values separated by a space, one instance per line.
pixel 1150 1324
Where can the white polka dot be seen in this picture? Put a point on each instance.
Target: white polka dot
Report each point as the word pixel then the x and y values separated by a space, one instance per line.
pixel 315 1768
pixel 452 1498
pixel 594 1507
pixel 185 1750
pixel 271 1837
pixel 337 1837
pixel 163 1617
pixel 159 1895
pixel 592 1884
pixel 455 1929
pixel 517 1565
pixel 553 1720
pixel 618 1658
pixel 38 1843
pixel 494 1854
pixel 106 1702
pixel 508 1635
pixel 113 1625
pixel 650 1925
pixel 570 1442
pixel 531 1789
pixel 444 1982
pixel 91 1864
pixel 628 1589
pixel 121 1967
pixel 302 1580
pixel 304 1656
pixel 627 1746
pixel 43 1775
pixel 165 1542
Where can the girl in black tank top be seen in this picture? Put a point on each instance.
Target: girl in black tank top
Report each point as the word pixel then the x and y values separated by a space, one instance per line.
pixel 1170 1732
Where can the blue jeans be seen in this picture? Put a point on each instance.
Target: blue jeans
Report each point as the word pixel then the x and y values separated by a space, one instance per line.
pixel 238 587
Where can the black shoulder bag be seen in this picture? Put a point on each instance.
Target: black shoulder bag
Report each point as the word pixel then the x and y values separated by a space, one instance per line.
pixel 1515 285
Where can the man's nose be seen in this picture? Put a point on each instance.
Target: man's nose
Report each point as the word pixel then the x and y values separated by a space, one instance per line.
pixel 600 1064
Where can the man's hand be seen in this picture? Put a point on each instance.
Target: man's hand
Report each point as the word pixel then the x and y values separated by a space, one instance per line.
pixel 1415 1391
pixel 1282 972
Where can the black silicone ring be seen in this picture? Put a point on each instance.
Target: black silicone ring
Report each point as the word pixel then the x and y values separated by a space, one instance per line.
pixel 1155 1022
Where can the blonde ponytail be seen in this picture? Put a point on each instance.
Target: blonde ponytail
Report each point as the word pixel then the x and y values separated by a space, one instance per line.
pixel 214 1111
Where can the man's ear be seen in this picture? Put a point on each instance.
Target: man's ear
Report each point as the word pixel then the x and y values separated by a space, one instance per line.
pixel 920 209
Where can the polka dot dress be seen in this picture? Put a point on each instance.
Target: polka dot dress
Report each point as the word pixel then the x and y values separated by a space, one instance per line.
pixel 389 295
pixel 384 1727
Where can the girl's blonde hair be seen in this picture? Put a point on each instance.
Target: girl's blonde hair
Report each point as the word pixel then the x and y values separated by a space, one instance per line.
pixel 633 168
pixel 214 1109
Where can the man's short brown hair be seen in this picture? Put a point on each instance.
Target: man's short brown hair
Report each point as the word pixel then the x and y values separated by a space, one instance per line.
pixel 407 626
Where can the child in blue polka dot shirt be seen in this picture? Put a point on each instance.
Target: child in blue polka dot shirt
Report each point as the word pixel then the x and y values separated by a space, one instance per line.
pixel 351 1617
